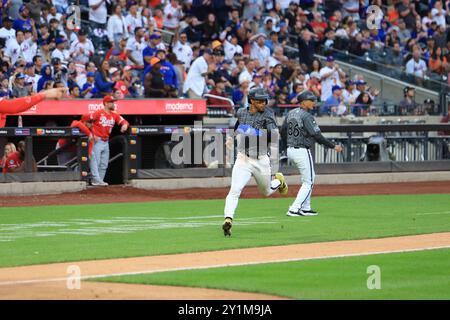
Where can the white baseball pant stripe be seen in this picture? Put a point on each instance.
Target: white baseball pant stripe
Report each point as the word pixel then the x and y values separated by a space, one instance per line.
pixel 302 159
pixel 244 168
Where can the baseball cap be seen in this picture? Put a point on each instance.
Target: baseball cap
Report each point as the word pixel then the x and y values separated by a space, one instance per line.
pixel 113 70
pixel 333 18
pixel 406 89
pixel 209 51
pixel 82 32
pixel 60 40
pixel 330 58
pixel 334 88
pixel 27 83
pixel 22 8
pixel 361 82
pixel 268 19
pixel 29 65
pixel 20 76
pixel 43 42
pixel 154 61
pixel 90 74
pixel 108 99
pixel 155 36
pixel 216 44
pixel 8 19
pixel 56 61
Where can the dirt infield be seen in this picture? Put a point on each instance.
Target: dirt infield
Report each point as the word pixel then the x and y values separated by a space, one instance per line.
pixel 50 281
pixel 114 194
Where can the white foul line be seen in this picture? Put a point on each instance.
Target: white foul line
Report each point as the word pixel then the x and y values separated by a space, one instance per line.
pixel 221 265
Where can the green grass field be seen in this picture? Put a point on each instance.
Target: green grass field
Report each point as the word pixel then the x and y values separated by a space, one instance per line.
pixel 34 235
pixel 412 275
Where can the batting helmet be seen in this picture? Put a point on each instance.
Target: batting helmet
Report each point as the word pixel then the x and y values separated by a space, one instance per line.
pixel 306 95
pixel 258 94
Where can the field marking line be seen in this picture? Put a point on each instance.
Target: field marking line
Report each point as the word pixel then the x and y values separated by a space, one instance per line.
pixel 429 213
pixel 213 266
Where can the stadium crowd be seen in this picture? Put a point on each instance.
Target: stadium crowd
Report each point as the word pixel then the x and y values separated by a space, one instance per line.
pixel 175 48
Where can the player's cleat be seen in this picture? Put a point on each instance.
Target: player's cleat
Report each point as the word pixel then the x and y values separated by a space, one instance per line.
pixel 301 213
pixel 283 188
pixel 310 212
pixel 227 224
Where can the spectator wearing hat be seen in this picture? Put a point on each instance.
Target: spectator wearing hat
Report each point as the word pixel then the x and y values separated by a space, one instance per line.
pixel 116 28
pixel 201 68
pixel 7 32
pixel 333 104
pixel 259 50
pixel 19 90
pixel 168 71
pixel 172 15
pixel 31 76
pixel 154 85
pixel 102 81
pixel 330 76
pixel 23 21
pixel 360 87
pixel 135 47
pixel 60 50
pixel 150 50
pixel 82 49
pixel 408 105
pixel 88 90
pixel 182 49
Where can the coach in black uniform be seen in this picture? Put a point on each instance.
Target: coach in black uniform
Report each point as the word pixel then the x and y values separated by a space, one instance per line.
pixel 301 131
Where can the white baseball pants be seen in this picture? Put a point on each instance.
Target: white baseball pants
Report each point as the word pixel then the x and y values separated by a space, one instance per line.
pixel 244 168
pixel 302 158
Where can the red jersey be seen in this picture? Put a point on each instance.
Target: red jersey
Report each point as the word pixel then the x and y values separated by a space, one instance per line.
pixel 12 162
pixel 80 125
pixel 18 105
pixel 104 122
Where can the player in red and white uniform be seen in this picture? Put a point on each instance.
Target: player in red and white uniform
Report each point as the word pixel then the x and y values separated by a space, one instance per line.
pixel 103 122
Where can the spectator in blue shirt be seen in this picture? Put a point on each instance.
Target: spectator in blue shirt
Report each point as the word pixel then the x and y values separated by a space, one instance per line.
pixel 330 106
pixel 150 50
pixel 23 21
pixel 168 71
pixel 89 90
pixel 102 82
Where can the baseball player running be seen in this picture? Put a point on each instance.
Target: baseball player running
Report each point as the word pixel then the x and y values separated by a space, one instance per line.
pixel 103 123
pixel 254 124
pixel 302 131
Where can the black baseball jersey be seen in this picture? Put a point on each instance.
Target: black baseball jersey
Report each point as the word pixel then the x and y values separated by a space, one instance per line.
pixel 253 131
pixel 301 130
